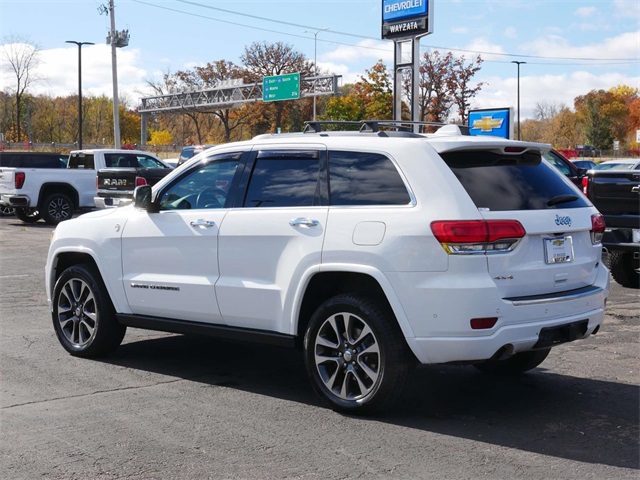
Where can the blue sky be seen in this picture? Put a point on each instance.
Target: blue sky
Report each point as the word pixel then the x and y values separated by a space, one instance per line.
pixel 570 46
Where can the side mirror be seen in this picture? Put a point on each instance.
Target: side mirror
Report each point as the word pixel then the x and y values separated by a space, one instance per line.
pixel 582 172
pixel 142 197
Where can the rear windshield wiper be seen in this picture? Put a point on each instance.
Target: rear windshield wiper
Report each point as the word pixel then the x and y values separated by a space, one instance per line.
pixel 561 199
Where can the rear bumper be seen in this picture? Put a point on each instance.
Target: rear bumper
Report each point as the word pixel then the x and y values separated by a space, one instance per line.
pixel 441 314
pixel 15 200
pixel 518 338
pixel 111 202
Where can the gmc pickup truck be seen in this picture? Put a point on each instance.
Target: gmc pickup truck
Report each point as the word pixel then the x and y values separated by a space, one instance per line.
pixel 116 184
pixel 616 193
pixel 55 194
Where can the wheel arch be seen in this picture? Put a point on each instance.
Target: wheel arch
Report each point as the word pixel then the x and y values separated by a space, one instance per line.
pixel 49 188
pixel 364 281
pixel 66 259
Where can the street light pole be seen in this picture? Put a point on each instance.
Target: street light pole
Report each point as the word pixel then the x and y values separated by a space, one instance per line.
pixel 80 88
pixel 315 64
pixel 518 63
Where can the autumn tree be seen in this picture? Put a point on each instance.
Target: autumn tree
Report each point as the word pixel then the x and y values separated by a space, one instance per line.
pixel 375 92
pixel 435 95
pixel 21 58
pixel 461 85
pixel 212 75
pixel 345 106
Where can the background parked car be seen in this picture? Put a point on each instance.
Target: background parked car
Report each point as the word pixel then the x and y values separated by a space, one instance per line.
pixel 188 152
pixel 622 164
pixel 587 151
pixel 588 164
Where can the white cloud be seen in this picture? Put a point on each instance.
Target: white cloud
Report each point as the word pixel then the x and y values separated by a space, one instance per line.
pixel 624 45
pixel 559 89
pixel 59 70
pixel 511 32
pixel 365 49
pixel 586 12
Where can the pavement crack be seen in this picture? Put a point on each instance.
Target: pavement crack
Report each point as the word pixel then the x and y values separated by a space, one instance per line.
pixel 99 392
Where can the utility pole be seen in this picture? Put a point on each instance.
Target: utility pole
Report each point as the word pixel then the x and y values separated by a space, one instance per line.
pixel 80 88
pixel 315 64
pixel 116 40
pixel 518 63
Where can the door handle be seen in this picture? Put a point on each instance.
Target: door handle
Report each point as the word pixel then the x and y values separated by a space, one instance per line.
pixel 297 222
pixel 203 223
pixel 636 189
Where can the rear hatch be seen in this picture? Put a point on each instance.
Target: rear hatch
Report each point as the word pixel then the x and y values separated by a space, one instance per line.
pixel 509 181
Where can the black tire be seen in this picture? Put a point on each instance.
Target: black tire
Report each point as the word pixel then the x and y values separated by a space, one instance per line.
pixel 624 269
pixel 356 356
pixel 516 364
pixel 83 315
pixel 27 215
pixel 56 208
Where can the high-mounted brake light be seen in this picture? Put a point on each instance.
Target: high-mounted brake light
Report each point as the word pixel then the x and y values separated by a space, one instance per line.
pixel 18 180
pixel 140 181
pixel 514 149
pixel 597 228
pixel 477 236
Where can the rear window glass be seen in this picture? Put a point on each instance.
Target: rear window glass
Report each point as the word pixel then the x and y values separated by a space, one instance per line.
pixel 511 182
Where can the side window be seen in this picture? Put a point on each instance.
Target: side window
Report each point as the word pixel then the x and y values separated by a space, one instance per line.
pixel 360 178
pixel 204 187
pixel 81 161
pixel 285 179
pixel 149 162
pixel 556 162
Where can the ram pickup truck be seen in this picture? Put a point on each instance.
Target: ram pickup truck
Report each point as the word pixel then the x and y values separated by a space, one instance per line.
pixel 55 194
pixel 616 193
pixel 116 184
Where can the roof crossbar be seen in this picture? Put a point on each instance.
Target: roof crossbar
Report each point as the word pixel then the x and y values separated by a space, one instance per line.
pixel 375 126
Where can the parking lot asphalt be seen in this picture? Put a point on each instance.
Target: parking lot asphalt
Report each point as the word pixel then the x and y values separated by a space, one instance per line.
pixel 179 407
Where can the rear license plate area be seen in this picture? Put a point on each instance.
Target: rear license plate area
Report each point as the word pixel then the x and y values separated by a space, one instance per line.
pixel 558 250
pixel 550 336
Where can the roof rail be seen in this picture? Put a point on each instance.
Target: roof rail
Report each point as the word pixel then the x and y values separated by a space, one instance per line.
pixel 374 126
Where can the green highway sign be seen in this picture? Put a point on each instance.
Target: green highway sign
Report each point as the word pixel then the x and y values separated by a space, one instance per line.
pixel 281 87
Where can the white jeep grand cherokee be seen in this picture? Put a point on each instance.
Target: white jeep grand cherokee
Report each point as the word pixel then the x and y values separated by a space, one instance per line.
pixel 370 250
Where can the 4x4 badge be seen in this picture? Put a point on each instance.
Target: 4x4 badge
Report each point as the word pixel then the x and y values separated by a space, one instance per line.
pixel 563 220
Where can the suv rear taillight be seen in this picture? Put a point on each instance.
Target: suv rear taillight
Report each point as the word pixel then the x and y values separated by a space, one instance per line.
pixel 18 180
pixel 140 181
pixel 478 236
pixel 585 184
pixel 597 228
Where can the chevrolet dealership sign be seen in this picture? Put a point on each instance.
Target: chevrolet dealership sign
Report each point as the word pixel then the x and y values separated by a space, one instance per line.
pixel 406 18
pixel 496 122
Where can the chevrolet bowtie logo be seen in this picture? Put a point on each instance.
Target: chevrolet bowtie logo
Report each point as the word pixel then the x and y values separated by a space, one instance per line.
pixel 486 124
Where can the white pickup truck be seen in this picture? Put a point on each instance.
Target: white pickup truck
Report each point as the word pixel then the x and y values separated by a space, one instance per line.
pixel 55 194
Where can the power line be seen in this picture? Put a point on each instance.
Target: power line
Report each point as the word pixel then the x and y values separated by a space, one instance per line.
pixel 605 61
pixel 370 38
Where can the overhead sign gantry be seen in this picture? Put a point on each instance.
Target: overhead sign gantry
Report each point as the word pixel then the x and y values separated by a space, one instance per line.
pixel 233 93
